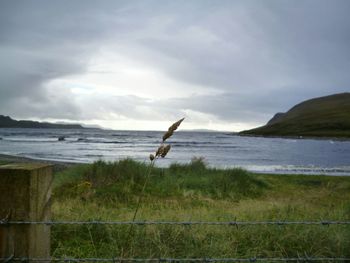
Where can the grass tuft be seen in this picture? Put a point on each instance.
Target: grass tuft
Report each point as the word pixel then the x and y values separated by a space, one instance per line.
pixel 189 192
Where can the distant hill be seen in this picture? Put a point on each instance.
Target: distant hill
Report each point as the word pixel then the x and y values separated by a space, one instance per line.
pixel 327 116
pixel 7 122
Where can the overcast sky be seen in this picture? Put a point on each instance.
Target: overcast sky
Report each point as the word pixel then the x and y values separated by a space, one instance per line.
pixel 225 65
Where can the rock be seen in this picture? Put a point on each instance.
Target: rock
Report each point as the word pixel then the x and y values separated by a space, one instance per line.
pixel 61 138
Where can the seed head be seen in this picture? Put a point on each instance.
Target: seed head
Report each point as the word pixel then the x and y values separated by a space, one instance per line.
pixel 167 135
pixel 151 157
pixel 171 129
pixel 166 149
pixel 160 150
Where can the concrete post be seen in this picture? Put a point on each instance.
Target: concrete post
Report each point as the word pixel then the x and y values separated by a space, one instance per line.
pixel 25 193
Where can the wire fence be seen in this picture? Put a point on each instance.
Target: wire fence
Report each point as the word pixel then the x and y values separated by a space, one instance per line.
pixel 5 222
pixel 184 223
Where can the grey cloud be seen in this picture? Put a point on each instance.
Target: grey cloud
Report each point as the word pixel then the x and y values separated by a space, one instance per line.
pixel 106 107
pixel 228 107
pixel 266 47
pixel 262 56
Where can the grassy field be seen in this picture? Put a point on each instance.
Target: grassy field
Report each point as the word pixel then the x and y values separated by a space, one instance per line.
pixel 109 191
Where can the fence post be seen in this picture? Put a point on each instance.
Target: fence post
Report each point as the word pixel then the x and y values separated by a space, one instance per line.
pixel 25 194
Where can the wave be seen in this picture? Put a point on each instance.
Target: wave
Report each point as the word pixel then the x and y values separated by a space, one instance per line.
pixel 29 140
pixel 84 140
pixel 194 142
pixel 56 139
pixel 294 169
pixel 94 155
pixel 129 135
pixel 205 145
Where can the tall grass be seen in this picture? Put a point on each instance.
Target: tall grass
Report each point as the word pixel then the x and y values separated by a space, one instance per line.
pixel 109 191
pixel 123 181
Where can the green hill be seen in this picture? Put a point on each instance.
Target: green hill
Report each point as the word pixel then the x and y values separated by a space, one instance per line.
pixel 327 116
pixel 7 122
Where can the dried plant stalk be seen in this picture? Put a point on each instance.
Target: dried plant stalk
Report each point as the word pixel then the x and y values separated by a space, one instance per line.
pixel 162 151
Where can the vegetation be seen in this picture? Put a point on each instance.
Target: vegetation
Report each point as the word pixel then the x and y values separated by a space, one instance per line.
pixel 7 122
pixel 194 192
pixel 321 117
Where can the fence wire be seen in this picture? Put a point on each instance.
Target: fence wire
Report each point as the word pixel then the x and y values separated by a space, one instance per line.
pixel 179 223
pixel 160 260
pixel 184 223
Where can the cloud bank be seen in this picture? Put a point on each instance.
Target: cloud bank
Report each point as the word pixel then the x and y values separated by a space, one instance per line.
pixel 226 65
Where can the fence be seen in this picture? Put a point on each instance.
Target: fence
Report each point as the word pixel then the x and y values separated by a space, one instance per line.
pixel 25 196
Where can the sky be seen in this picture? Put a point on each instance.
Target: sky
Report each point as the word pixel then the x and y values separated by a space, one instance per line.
pixel 141 65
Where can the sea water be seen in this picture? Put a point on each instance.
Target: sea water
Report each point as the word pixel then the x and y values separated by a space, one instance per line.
pixel 219 149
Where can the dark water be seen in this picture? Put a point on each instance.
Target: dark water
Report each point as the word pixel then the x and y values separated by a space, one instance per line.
pixel 219 149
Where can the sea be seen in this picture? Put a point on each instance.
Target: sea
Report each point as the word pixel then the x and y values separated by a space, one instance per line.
pixel 218 149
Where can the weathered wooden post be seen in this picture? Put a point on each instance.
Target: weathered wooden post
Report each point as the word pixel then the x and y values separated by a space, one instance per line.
pixel 25 193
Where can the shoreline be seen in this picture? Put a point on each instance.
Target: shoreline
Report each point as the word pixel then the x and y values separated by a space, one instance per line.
pixel 295 137
pixel 57 165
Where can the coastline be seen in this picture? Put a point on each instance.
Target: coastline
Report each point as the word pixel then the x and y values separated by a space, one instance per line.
pixel 59 166
pixel 295 137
